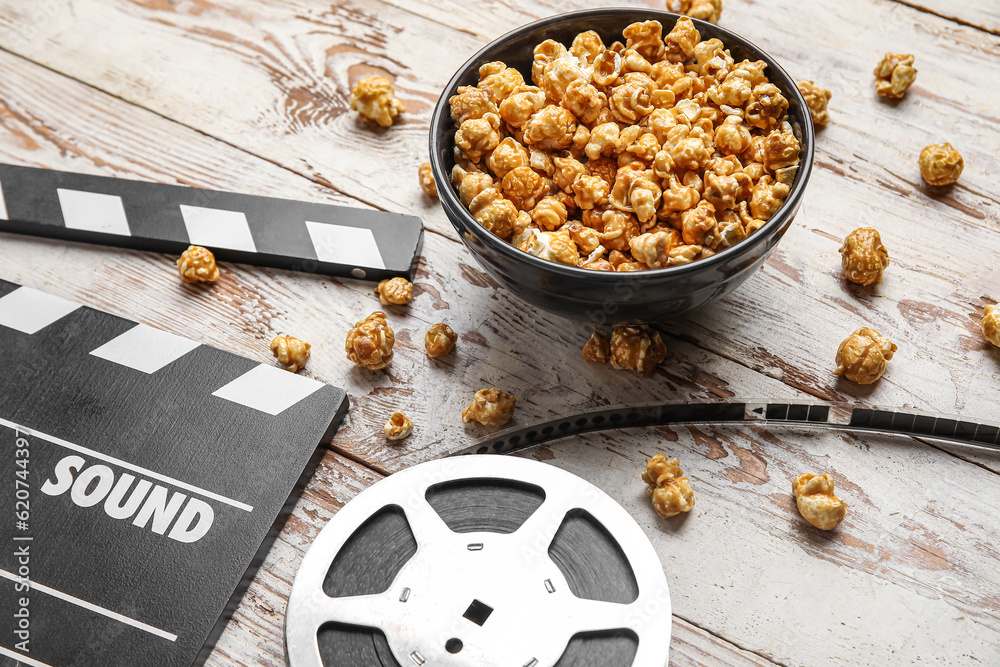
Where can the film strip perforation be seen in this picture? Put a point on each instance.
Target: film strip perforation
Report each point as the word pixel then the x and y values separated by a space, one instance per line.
pixel 829 415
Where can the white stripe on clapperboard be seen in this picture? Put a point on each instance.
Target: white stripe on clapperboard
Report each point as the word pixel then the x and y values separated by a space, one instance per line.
pixel 169 636
pixel 3 204
pixel 22 658
pixel 125 464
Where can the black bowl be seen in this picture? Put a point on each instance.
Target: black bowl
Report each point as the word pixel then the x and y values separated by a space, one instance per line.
pixel 597 296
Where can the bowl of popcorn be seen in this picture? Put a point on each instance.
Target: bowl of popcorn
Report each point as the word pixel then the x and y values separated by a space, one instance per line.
pixel 621 165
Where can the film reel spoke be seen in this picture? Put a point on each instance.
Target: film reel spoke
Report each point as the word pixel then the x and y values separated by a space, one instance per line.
pixel 596 615
pixel 541 527
pixel 367 610
pixel 426 524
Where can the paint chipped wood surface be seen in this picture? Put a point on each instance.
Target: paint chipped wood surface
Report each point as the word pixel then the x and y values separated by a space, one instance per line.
pixel 252 97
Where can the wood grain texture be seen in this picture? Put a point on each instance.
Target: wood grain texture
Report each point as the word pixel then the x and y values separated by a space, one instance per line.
pixel 982 14
pixel 910 575
pixel 236 315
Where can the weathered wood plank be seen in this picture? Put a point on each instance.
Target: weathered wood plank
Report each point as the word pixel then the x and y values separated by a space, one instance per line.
pixel 54 122
pixel 886 587
pixel 981 14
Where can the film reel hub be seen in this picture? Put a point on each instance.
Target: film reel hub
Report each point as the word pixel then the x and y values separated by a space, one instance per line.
pixel 480 561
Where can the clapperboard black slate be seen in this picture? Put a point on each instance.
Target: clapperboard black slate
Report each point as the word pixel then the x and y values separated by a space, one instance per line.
pixel 300 236
pixel 158 471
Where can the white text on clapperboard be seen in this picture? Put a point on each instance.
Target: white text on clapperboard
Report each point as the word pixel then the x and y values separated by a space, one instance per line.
pixel 152 506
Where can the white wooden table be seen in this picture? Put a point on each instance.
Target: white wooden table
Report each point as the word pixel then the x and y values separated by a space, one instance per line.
pixel 252 96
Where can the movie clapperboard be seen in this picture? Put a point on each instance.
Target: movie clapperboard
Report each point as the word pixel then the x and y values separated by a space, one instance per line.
pixel 145 477
pixel 247 229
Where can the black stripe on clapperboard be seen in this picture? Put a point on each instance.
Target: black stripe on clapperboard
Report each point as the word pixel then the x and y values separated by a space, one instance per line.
pixel 235 434
pixel 285 234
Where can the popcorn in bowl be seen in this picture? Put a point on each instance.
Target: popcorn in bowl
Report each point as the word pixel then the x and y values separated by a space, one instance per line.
pixel 656 152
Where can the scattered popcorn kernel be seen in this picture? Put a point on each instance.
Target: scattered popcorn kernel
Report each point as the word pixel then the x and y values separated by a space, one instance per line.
pixel 941 164
pixel 670 490
pixel 597 349
pixel 991 325
pixel 439 340
pixel 197 265
pixel 863 256
pixel 817 100
pixel 490 407
pixel 817 503
pixel 398 427
pixel 291 352
pixel 395 291
pixel 894 74
pixel 864 356
pixel 426 176
pixel 374 100
pixel 369 343
pixel 637 348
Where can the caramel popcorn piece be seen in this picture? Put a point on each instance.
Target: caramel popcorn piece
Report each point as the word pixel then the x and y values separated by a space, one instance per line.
pixel 864 356
pixel 478 136
pixel 395 291
pixel 816 501
pixel 524 187
pixel 767 106
pixel 670 490
pixel 426 177
pixel 817 100
pixel 597 349
pixel 499 80
pixel 493 212
pixel 863 256
pixel 291 352
pixel 894 74
pixel 369 343
pixel 941 164
pixel 637 348
pixel 374 100
pixel 439 340
pixel 398 427
pixel 653 249
pixel 991 325
pixel 197 265
pixel 490 407
pixel 471 103
pixel 549 214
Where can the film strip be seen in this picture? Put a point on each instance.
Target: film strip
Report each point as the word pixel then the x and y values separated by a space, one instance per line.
pixel 819 414
pixel 248 229
pixel 152 475
pixel 486 562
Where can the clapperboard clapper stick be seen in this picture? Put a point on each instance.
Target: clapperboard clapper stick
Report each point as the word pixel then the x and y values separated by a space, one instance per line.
pixel 263 231
pixel 156 473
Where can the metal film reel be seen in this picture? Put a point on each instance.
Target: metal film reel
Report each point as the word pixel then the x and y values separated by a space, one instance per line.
pixel 480 561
